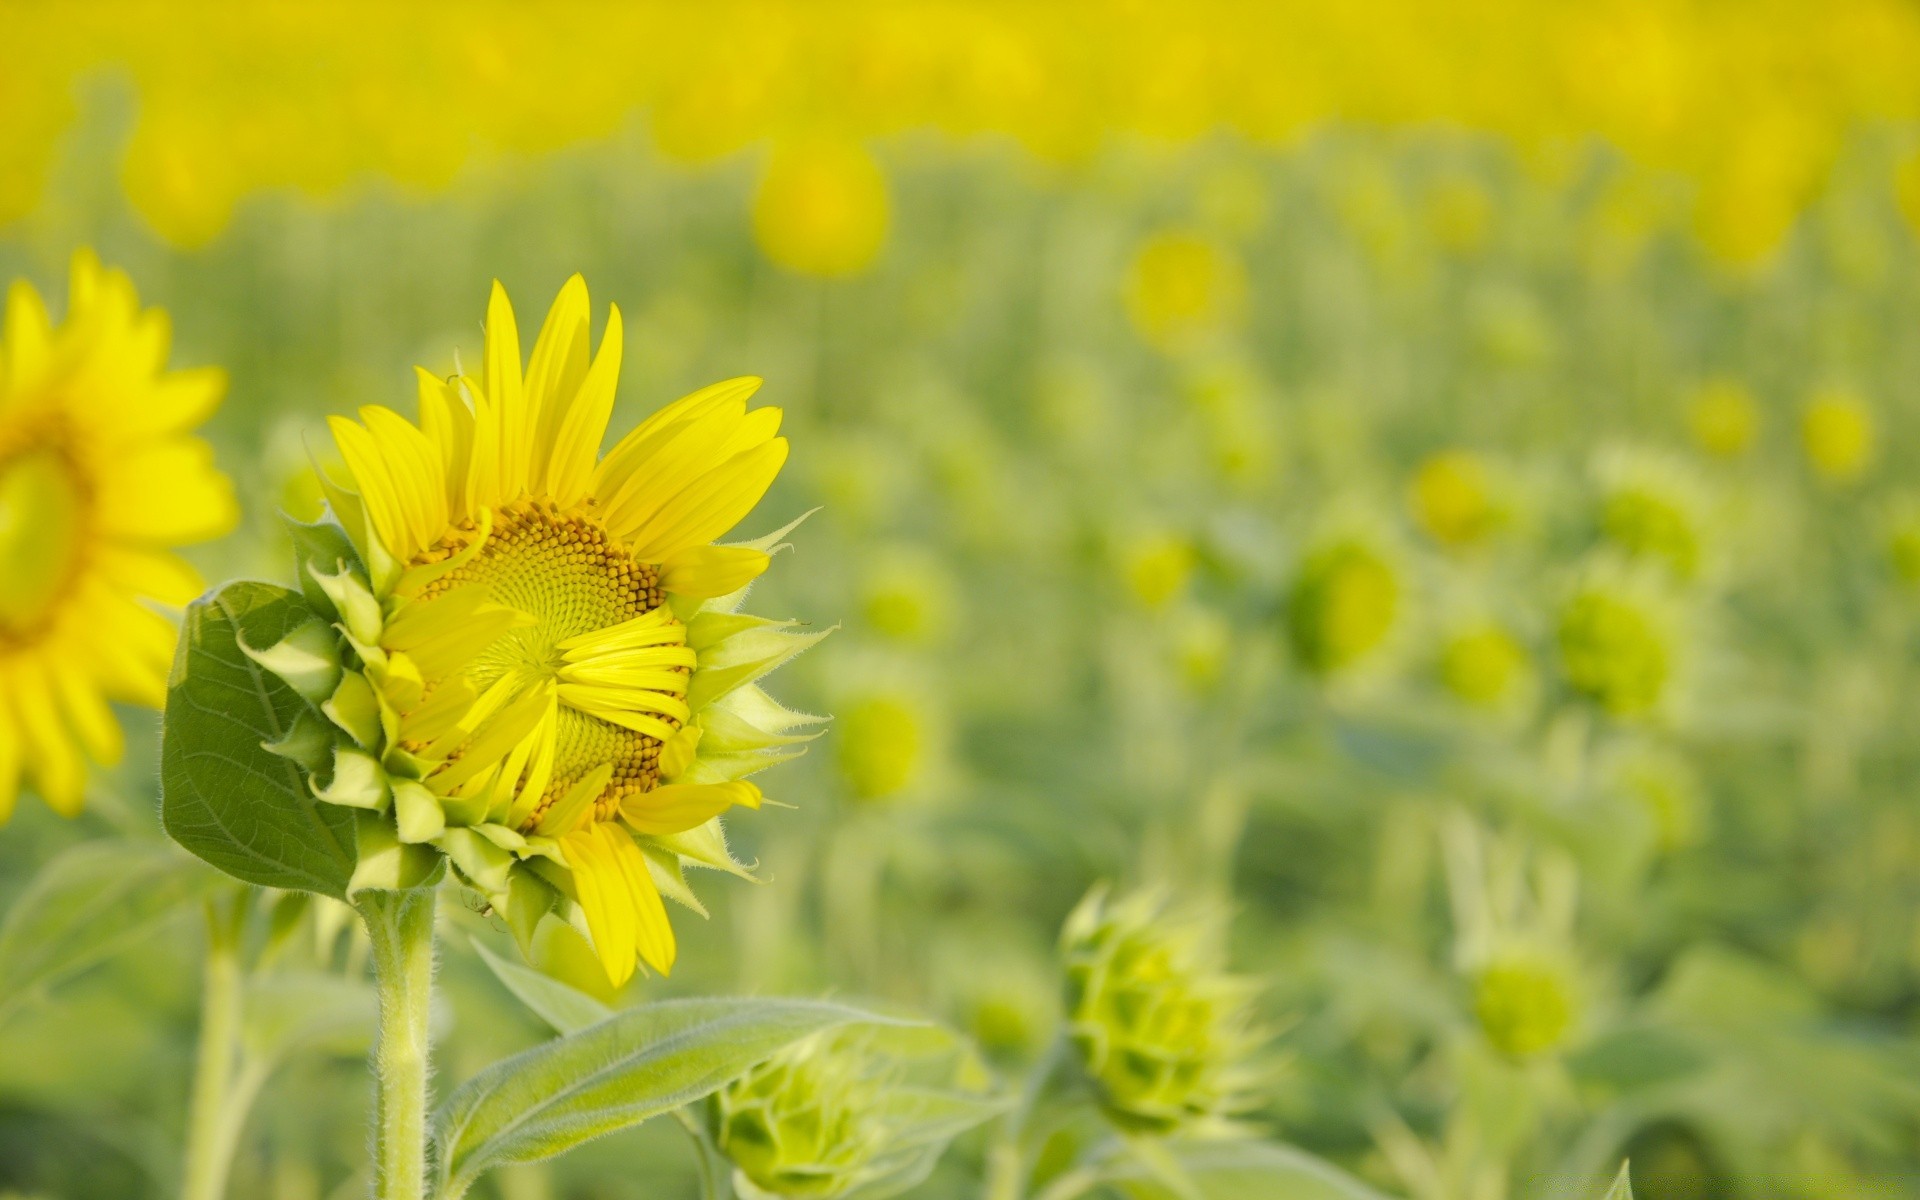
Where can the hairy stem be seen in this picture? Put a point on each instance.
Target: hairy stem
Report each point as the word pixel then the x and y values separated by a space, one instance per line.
pixel 400 928
pixel 209 1149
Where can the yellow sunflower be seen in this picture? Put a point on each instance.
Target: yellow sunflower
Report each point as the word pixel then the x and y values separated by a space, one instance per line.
pixel 99 480
pixel 543 673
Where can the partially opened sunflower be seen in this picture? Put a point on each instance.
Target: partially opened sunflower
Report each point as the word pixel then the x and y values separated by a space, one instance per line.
pixel 100 478
pixel 536 665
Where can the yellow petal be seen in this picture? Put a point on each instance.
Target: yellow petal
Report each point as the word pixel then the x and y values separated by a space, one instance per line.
pixel 600 885
pixel 159 574
pixel 26 337
pixel 9 759
pixel 653 933
pixel 375 483
pixel 712 504
pixel 677 807
pixel 413 464
pixel 576 442
pixel 703 572
pixel 58 772
pixel 558 364
pixel 167 492
pixel 633 453
pixel 505 388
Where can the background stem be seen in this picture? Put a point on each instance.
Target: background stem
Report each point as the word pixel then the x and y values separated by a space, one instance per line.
pixel 209 1151
pixel 400 928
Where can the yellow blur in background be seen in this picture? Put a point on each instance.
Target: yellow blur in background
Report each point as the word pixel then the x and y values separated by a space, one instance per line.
pixel 1432 480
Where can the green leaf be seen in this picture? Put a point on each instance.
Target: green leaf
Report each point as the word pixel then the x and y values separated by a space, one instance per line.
pixel 224 796
pixel 89 903
pixel 1247 1170
pixel 636 1064
pixel 567 1009
pixel 1622 1188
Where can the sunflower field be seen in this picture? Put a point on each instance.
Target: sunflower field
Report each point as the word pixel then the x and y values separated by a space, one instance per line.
pixel 774 601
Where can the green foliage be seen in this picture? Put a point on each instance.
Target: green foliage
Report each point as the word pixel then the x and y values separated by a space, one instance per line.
pixel 637 1064
pixel 224 795
pixel 91 902
pixel 1241 1171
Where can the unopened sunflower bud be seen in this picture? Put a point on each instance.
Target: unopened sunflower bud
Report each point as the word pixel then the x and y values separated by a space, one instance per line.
pixel 849 1111
pixel 1345 602
pixel 1525 1003
pixel 881 744
pixel 1616 643
pixel 1161 1029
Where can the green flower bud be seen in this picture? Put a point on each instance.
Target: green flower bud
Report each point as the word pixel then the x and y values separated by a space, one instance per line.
pixel 1653 508
pixel 1162 1031
pixel 1616 647
pixel 1484 666
pixel 1525 1003
pixel 853 1111
pixel 1345 603
pixel 882 742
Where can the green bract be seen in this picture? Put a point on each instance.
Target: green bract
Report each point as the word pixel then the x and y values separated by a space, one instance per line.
pixel 1162 1030
pixel 864 1111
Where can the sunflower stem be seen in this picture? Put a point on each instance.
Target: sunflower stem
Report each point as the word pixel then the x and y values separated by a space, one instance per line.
pixel 209 1149
pixel 400 928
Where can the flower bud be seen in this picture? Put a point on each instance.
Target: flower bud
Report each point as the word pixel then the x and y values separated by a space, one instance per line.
pixel 1162 1031
pixel 1524 1002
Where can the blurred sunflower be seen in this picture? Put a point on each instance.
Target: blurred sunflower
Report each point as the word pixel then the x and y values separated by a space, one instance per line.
pixel 99 481
pixel 547 679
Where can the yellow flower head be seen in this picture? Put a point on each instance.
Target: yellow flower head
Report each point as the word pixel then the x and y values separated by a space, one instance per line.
pixel 100 477
pixel 1837 430
pixel 821 208
pixel 1525 1002
pixel 1617 641
pixel 1182 286
pixel 1485 666
pixel 1157 568
pixel 1724 418
pixel 543 675
pixel 1452 497
pixel 1345 604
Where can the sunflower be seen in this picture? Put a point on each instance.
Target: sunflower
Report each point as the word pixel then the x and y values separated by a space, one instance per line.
pixel 99 480
pixel 540 666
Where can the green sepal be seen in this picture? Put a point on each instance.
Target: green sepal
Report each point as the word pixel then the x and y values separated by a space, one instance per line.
pixel 308 743
pixel 704 845
pixel 484 864
pixel 466 810
pixel 736 650
pixel 358 781
pixel 325 545
pixel 388 864
pixel 353 600
pixel 403 764
pixel 354 708
pixel 416 812
pixel 529 898
pixel 670 876
pixel 307 660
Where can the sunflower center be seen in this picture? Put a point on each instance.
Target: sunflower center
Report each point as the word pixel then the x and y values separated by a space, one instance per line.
pixel 44 508
pixel 561 568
